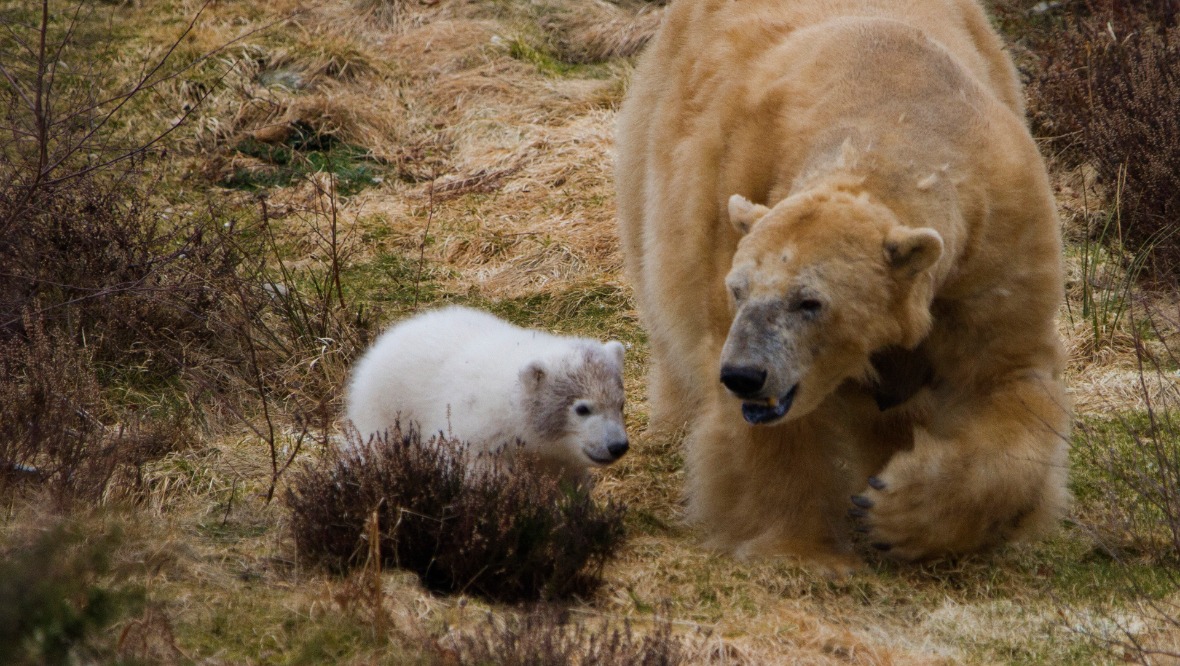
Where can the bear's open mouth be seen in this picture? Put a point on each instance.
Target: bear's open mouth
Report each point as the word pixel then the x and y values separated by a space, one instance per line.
pixel 598 461
pixel 758 413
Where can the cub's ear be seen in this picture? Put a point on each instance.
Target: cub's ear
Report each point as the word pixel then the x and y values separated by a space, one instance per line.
pixel 911 251
pixel 615 350
pixel 743 213
pixel 533 375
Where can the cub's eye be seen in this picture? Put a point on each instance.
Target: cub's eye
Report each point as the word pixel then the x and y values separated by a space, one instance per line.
pixel 582 409
pixel 736 293
pixel 810 307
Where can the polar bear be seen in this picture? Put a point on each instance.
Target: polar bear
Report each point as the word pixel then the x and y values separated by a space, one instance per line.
pixel 845 249
pixel 474 377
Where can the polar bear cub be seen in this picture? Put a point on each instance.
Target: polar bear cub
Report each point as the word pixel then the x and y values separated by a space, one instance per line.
pixel 478 379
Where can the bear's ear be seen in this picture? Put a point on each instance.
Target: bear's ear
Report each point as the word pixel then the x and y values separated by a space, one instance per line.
pixel 615 350
pixel 743 213
pixel 912 251
pixel 533 375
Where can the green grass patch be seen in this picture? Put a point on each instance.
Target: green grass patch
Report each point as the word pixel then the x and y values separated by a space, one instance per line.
pixel 239 621
pixel 1126 471
pixel 593 310
pixel 303 154
pixel 397 284
pixel 550 65
pixel 1103 447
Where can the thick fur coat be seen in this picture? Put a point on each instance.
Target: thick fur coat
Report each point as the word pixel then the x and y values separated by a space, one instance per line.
pixel 844 246
pixel 476 378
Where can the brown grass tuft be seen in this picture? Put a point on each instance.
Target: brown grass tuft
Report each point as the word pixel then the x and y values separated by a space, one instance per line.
pixel 596 31
pixel 545 636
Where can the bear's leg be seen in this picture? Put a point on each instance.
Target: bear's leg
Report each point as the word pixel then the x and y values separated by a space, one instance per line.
pixel 667 398
pixel 873 435
pixel 986 469
pixel 766 490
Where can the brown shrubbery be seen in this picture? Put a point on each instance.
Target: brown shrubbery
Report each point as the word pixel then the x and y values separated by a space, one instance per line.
pixel 53 422
pixel 130 312
pixel 103 295
pixel 1105 86
pixel 95 260
pixel 504 536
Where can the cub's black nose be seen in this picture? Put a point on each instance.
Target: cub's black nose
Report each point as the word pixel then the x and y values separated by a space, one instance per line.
pixel 743 380
pixel 617 449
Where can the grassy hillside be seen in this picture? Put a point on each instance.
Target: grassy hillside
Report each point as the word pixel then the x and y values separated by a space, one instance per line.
pixel 226 201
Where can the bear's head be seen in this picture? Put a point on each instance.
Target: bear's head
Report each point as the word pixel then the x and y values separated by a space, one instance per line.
pixel 819 283
pixel 574 405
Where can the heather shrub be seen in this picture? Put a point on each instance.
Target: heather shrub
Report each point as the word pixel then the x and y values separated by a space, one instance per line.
pixel 56 431
pixel 1134 133
pixel 504 535
pixel 1104 86
pixel 166 310
pixel 96 260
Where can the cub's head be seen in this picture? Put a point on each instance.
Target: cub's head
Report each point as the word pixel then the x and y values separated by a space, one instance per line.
pixel 575 405
pixel 819 283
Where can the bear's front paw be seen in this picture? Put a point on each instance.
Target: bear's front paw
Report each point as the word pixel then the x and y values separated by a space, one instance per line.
pixel 896 520
pixel 916 518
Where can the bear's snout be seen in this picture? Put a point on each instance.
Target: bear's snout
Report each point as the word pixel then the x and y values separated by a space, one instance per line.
pixel 743 380
pixel 617 449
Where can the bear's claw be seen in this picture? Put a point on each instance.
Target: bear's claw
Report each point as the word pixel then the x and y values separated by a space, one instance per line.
pixel 862 501
pixel 876 484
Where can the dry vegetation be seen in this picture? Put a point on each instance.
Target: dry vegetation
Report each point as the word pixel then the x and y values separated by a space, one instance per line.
pixel 410 502
pixel 188 271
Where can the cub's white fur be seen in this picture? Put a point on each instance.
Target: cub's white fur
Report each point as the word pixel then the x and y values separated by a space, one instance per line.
pixel 481 380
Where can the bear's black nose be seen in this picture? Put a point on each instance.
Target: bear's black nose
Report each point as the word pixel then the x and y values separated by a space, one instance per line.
pixel 743 380
pixel 617 449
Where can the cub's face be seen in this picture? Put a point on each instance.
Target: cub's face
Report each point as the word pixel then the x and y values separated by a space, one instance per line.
pixel 817 285
pixel 576 406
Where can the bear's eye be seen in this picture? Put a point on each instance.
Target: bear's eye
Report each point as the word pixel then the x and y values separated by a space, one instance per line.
pixel 810 307
pixel 582 409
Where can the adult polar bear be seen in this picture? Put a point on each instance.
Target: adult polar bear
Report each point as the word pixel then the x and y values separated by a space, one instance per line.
pixel 882 318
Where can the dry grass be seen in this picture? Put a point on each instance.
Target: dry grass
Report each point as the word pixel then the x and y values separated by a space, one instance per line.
pixel 492 122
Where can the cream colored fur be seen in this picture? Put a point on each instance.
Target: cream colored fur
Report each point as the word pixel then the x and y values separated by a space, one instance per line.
pixel 861 173
pixel 471 376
